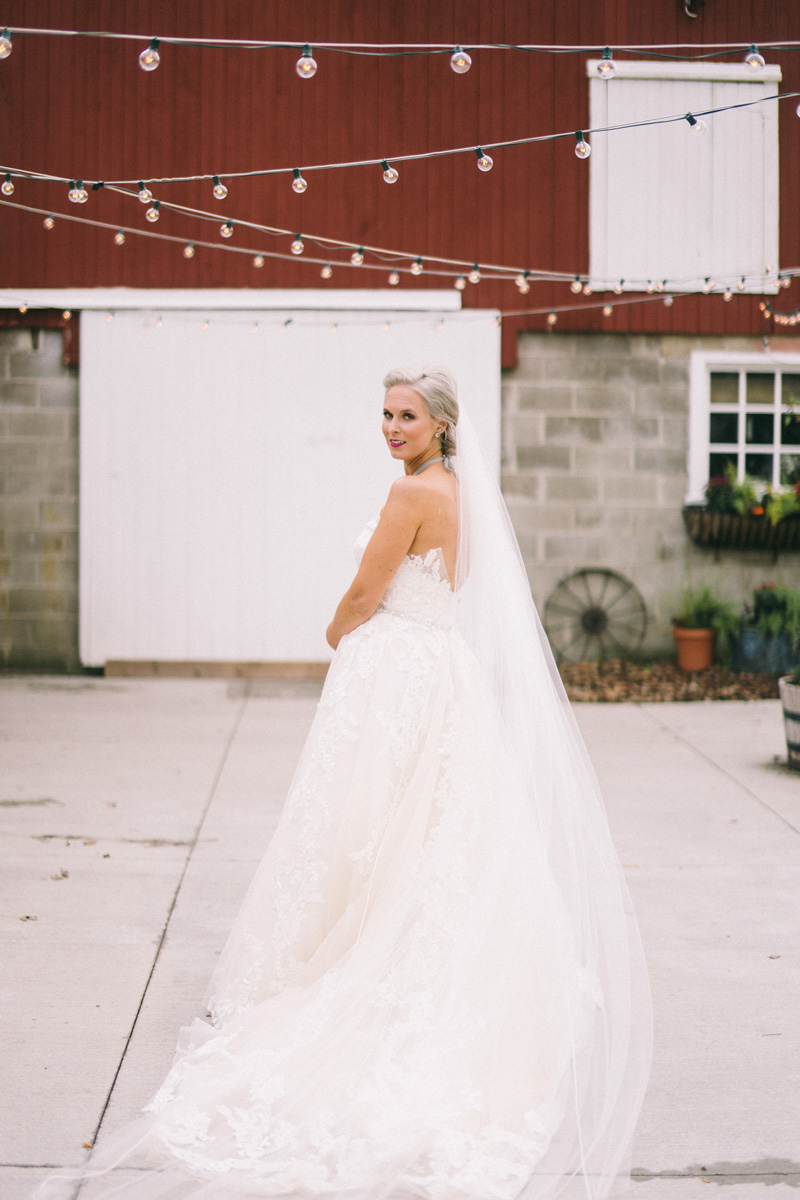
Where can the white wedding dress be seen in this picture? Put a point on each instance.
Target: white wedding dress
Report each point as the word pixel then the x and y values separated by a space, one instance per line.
pixel 402 1009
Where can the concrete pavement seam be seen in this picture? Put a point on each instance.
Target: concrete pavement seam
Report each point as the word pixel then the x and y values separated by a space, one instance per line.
pixel 159 945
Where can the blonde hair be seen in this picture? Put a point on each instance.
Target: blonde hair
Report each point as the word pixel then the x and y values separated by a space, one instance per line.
pixel 439 392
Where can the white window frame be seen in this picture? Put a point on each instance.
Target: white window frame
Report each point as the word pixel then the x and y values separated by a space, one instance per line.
pixel 701 366
pixel 602 274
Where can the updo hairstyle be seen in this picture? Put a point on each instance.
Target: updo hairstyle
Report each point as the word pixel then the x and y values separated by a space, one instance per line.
pixel 437 388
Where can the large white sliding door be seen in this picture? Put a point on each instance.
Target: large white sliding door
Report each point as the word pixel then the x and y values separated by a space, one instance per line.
pixel 229 460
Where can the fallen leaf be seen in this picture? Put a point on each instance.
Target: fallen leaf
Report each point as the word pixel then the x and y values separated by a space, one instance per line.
pixel 90 842
pixel 29 918
pixel 774 956
pixel 88 1145
pixel 62 874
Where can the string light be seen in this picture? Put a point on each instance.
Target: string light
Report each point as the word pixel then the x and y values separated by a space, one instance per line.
pixel 254 327
pixel 587 289
pixel 740 284
pixel 220 191
pixel 5 45
pixel 226 229
pixel 152 213
pixel 439 326
pixel 326 271
pixel 650 287
pixel 460 283
pixel 576 286
pixel 708 285
pixel 606 68
pixel 668 301
pixel 474 275
pixel 357 257
pixel 727 294
pixel 145 195
pixel 204 325
pixel 618 287
pixel 299 184
pixel 159 323
pixel 697 127
pixel 485 163
pixel 416 267
pixel 786 281
pixel 522 282
pixel 394 278
pixel 119 238
pixel 188 250
pixel 258 261
pixel 109 318
pixel 7 186
pixel 660 286
pixel 582 147
pixel 460 61
pixel 753 59
pixel 305 65
pixel 77 192
pixel 150 58
pixel 66 314
pixel 607 310
pixel 49 221
pixel 297 246
pixel 334 328
pixel 390 175
pixel 551 319
pixel 385 326
pixel 23 308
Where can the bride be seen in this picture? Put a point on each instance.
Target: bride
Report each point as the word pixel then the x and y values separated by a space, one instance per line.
pixel 434 987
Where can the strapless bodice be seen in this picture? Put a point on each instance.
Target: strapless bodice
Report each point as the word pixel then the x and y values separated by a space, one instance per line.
pixel 420 590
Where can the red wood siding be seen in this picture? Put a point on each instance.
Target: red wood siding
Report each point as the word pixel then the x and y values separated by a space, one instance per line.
pixel 83 107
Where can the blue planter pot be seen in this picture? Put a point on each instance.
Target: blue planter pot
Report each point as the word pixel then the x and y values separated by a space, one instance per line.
pixel 774 656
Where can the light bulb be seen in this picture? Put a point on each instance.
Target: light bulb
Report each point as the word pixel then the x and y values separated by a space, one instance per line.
pixel 551 318
pixel 660 285
pixel 152 213
pixel 708 285
pixel 258 260
pixel 727 294
pixel 150 58
pixel 145 195
pixel 696 126
pixel 576 285
pixel 587 289
pixel 740 284
pixel 23 308
pixel 606 68
pixel 227 229
pixel 668 301
pixel 385 326
pixel 204 325
pixel 416 267
pixel 326 271
pixel 650 287
pixel 522 283
pixel 110 318
pixel 334 328
pixel 7 187
pixel 394 278
pixel 119 238
pixel 357 257
pixel 5 45
pixel 66 314
pixel 460 283
pixel 439 326
pixel 297 246
pixel 485 163
pixel 761 305
pixel 159 323
pixel 77 192
pixel 618 288
pixel 49 222
pixel 299 184
pixel 188 250
pixel 797 110
pixel 582 147
pixel 305 65
pixel 475 275
pixel 389 173
pixel 460 61
pixel 787 281
pixel 753 59
pixel 220 191
pixel 254 327
pixel 607 310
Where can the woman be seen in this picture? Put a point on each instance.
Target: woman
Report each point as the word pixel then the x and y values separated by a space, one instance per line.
pixel 434 987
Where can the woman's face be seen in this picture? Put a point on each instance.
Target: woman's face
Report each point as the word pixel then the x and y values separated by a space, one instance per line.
pixel 407 425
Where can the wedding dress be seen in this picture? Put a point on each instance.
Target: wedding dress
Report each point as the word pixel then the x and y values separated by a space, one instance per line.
pixel 426 993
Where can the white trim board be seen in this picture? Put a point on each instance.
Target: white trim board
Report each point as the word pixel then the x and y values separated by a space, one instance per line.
pixel 252 299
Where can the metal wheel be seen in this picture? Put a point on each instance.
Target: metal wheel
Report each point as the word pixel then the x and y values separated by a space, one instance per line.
pixel 593 614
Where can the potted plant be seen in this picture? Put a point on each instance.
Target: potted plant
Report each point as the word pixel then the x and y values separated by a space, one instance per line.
pixel 790 699
pixel 770 635
pixel 703 622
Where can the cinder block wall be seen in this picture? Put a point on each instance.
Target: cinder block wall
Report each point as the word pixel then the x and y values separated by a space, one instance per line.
pixel 595 443
pixel 38 502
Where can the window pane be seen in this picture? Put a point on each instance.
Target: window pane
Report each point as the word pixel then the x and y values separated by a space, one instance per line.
pixel 724 387
pixel 759 428
pixel 718 464
pixel 760 389
pixel 790 390
pixel 790 429
pixel 790 468
pixel 724 427
pixel 759 466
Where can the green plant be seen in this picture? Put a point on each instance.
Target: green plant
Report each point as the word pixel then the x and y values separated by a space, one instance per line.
pixel 795 675
pixel 724 493
pixel 775 609
pixel 702 609
pixel 781 503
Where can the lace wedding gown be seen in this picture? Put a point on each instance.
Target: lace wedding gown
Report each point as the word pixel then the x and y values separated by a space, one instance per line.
pixel 397 1009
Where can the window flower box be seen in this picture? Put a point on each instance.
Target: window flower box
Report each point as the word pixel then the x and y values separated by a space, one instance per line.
pixel 719 530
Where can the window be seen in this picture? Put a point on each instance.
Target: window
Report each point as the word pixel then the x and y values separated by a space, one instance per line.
pixel 744 410
pixel 667 205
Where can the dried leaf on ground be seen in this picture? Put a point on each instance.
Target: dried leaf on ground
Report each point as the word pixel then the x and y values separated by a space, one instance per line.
pixel 615 681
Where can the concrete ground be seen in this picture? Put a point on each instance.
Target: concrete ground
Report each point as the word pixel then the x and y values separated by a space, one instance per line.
pixel 134 811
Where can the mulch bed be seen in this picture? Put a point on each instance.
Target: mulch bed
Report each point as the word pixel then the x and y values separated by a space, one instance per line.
pixel 615 681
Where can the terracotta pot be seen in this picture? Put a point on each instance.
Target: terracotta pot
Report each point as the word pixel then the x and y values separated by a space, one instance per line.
pixel 790 698
pixel 695 648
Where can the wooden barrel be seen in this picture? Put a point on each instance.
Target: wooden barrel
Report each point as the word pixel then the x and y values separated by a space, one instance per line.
pixel 790 698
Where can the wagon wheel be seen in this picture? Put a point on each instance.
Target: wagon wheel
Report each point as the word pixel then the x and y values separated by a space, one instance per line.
pixel 593 614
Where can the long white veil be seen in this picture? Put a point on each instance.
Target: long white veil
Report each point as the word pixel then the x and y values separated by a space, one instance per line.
pixel 590 1156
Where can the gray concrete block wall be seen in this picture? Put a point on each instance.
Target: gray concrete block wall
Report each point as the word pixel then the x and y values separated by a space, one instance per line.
pixel 38 502
pixel 595 431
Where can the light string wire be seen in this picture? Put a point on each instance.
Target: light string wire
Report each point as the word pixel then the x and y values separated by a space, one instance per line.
pixel 671 119
pixel 786 272
pixel 398 49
